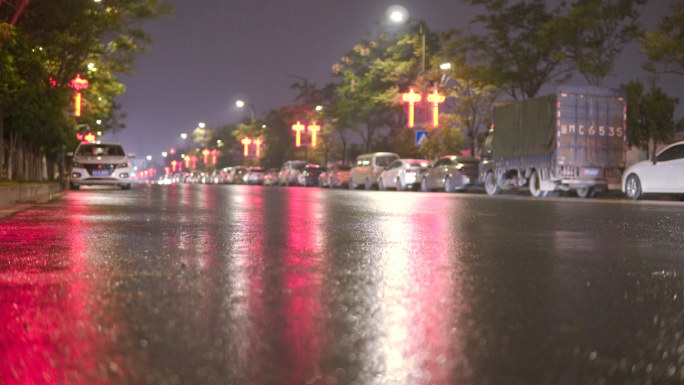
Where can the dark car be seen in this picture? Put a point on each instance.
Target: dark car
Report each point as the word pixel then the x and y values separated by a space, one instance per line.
pixel 451 173
pixel 309 176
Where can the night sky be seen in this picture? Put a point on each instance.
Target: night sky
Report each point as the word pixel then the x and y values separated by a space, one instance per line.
pixel 216 51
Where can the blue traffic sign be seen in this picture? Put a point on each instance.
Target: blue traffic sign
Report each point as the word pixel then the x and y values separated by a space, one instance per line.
pixel 421 137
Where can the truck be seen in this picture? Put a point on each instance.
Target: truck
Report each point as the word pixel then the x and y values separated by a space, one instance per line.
pixel 571 140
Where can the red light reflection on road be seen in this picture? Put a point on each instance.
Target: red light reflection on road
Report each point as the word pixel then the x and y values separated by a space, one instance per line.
pixel 49 333
pixel 418 285
pixel 303 279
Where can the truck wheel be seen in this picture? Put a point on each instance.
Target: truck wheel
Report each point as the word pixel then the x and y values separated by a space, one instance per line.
pixel 491 186
pixel 586 192
pixel 535 188
pixel 633 187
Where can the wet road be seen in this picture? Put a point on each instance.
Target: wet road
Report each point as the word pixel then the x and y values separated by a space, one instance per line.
pixel 197 284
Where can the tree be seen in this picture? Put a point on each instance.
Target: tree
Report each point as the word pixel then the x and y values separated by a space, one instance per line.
pixel 665 47
pixel 593 34
pixel 521 50
pixel 468 88
pixel 51 43
pixel 650 117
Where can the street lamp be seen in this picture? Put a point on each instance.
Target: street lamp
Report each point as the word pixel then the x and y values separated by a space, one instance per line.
pixel 241 103
pixel 183 135
pixel 399 15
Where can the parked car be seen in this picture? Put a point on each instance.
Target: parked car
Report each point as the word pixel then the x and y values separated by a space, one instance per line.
pixel 100 164
pixel 336 175
pixel 271 177
pixel 309 176
pixel 254 175
pixel 663 174
pixel 235 175
pixel 452 173
pixel 368 167
pixel 403 174
pixel 290 171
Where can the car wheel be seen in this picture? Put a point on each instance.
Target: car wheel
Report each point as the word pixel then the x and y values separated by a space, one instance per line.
pixel 586 192
pixel 449 185
pixel 368 185
pixel 535 187
pixel 126 187
pixel 400 186
pixel 73 187
pixel 381 185
pixel 633 187
pixel 424 185
pixel 491 185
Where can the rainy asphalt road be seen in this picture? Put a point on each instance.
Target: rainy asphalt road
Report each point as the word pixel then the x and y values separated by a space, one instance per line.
pixel 199 284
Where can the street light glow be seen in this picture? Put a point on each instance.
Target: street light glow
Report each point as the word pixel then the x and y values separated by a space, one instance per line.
pixel 319 108
pixel 240 103
pixel 445 66
pixel 201 125
pixel 184 135
pixel 397 14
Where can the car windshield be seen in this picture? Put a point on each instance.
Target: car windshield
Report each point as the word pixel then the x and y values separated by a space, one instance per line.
pixel 385 160
pixel 418 163
pixel 299 166
pixel 256 169
pixel 100 149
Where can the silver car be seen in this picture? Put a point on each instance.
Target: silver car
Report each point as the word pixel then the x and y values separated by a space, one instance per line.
pixel 100 163
pixel 403 174
pixel 451 173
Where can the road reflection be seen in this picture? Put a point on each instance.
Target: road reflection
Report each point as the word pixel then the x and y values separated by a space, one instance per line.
pixel 52 325
pixel 235 284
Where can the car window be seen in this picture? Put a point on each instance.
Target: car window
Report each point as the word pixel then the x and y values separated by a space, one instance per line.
pixel 100 149
pixel 299 166
pixel 383 161
pixel 395 164
pixel 672 153
pixel 440 163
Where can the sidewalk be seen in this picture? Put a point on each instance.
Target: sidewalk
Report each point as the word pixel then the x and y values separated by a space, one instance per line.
pixel 22 193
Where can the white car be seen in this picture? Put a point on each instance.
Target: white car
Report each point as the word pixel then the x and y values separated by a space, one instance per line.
pixel 403 174
pixel 100 164
pixel 663 174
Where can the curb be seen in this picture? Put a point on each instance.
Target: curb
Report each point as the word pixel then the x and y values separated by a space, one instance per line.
pixel 30 193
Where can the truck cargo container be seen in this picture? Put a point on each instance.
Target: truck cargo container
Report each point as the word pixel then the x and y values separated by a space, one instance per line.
pixel 574 139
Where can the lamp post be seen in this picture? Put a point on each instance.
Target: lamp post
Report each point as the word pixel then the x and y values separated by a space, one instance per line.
pixel 241 103
pixel 399 15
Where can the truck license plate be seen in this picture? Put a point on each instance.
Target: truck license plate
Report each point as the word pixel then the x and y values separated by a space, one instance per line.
pixel 591 171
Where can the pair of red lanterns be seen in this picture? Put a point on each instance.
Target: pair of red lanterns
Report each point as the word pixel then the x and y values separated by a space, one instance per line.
pixel 412 97
pixel 298 128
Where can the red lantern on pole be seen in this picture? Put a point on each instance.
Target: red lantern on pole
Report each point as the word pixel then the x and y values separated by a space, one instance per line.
pixel 246 142
pixel 411 98
pixel 258 142
pixel 298 128
pixel 435 98
pixel 78 84
pixel 214 156
pixel 205 152
pixel 313 129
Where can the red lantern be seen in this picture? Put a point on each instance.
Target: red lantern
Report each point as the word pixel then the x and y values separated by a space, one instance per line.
pixel 313 129
pixel 298 128
pixel 411 98
pixel 435 98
